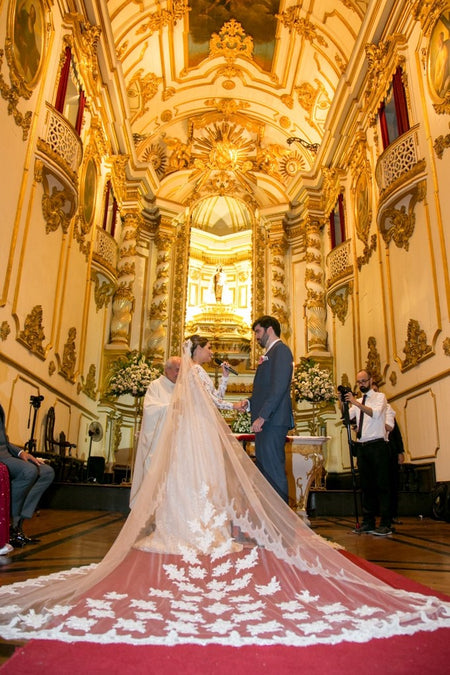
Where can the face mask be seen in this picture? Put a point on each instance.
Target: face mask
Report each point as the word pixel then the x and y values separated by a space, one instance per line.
pixel 364 389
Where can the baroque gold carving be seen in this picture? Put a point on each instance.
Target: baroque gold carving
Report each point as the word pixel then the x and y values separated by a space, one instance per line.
pixel 69 358
pixel 446 346
pixel 368 250
pixel 12 96
pixel 103 291
pixel 89 386
pixel 32 336
pixel 416 348
pixel 427 12
pixel 398 224
pixel 440 144
pixel 306 29
pixel 338 302
pixel 231 43
pixel 141 89
pixel 4 330
pixel 373 362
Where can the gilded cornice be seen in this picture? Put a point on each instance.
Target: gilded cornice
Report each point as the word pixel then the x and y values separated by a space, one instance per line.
pixel 383 59
pixel 118 176
pixel 427 13
pixel 83 42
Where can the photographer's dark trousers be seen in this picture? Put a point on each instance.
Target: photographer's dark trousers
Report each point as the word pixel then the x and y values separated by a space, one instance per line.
pixel 374 467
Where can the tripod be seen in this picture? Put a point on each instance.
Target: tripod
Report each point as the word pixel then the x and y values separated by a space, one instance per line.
pixel 35 404
pixel 347 423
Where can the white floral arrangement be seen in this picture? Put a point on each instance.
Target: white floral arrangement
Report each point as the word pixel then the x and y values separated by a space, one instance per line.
pixel 241 423
pixel 311 383
pixel 131 374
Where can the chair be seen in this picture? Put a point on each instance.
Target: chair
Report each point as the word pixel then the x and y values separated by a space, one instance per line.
pixel 51 445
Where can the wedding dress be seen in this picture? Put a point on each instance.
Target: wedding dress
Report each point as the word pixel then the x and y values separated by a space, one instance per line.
pixel 211 554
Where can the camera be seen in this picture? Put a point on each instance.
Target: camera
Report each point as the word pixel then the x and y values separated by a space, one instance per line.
pixel 343 390
pixel 35 401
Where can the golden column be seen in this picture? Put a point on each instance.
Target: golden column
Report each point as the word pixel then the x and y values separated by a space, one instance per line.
pixel 315 291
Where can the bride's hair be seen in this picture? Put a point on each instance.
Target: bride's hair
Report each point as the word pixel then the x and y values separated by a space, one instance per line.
pixel 197 341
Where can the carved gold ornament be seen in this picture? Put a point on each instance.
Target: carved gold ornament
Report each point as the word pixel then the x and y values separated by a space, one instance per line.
pixel 398 221
pixel 4 330
pixel 440 144
pixel 32 336
pixel 89 386
pixel 338 302
pixel 446 346
pixel 155 155
pixel 69 358
pixel 373 362
pixel 231 43
pixel 416 348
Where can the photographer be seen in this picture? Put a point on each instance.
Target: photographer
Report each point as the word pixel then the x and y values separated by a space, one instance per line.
pixel 29 477
pixel 372 453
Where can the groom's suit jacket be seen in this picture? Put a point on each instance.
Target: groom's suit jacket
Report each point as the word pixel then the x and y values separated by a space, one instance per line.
pixel 271 397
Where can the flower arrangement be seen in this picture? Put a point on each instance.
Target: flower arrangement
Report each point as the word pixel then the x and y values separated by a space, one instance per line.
pixel 131 374
pixel 311 383
pixel 241 423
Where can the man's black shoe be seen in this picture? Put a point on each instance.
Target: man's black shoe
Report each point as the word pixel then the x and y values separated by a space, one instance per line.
pixel 19 539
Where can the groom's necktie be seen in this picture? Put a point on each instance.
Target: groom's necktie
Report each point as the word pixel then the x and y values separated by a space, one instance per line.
pixel 361 418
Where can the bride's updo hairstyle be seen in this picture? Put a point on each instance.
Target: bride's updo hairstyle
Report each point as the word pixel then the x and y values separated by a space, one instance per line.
pixel 197 341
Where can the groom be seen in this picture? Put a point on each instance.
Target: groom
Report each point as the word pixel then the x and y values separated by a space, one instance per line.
pixel 270 404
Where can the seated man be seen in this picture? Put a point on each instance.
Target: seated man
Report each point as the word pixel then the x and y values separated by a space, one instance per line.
pixel 29 476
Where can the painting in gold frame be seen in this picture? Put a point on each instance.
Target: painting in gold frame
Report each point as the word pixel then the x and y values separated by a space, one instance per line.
pixel 27 32
pixel 439 57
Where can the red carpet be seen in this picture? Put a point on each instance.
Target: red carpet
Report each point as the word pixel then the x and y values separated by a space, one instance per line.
pixel 424 651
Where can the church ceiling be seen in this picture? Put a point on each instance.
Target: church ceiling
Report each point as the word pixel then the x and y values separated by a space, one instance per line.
pixel 215 88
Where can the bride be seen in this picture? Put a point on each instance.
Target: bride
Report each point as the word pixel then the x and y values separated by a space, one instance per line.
pixel 175 573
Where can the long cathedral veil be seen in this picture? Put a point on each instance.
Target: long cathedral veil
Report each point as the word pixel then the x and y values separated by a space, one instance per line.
pixel 206 526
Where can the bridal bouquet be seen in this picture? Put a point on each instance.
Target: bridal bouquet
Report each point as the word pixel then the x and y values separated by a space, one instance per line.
pixel 311 383
pixel 241 423
pixel 131 374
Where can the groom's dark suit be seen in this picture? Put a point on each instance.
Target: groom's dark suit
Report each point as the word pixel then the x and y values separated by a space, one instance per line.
pixel 28 481
pixel 271 400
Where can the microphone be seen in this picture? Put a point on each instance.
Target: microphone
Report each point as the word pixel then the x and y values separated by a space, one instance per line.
pixel 232 370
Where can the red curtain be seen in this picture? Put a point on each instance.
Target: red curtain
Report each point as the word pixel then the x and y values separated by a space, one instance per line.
pixel 81 106
pixel 105 213
pixel 383 126
pixel 332 230
pixel 401 109
pixel 341 216
pixel 63 80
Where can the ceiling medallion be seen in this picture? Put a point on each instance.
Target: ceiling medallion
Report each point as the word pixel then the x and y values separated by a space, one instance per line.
pixel 156 156
pixel 291 164
pixel 228 84
pixel 224 149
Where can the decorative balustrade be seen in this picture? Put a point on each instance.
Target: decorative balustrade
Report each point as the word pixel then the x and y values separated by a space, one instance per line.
pixel 106 250
pixel 339 264
pixel 399 158
pixel 62 138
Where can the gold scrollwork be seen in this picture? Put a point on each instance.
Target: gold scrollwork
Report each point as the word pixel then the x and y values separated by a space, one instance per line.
pixel 416 348
pixel 69 358
pixel 373 363
pixel 368 250
pixel 338 302
pixel 32 336
pixel 398 224
pixel 89 385
pixel 446 346
pixel 440 144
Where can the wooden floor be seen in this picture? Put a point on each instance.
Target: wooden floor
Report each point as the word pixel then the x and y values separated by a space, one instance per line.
pixel 419 548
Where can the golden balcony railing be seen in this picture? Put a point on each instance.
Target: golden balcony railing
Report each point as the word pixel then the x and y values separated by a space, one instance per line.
pixel 62 139
pixel 106 251
pixel 400 158
pixel 339 263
